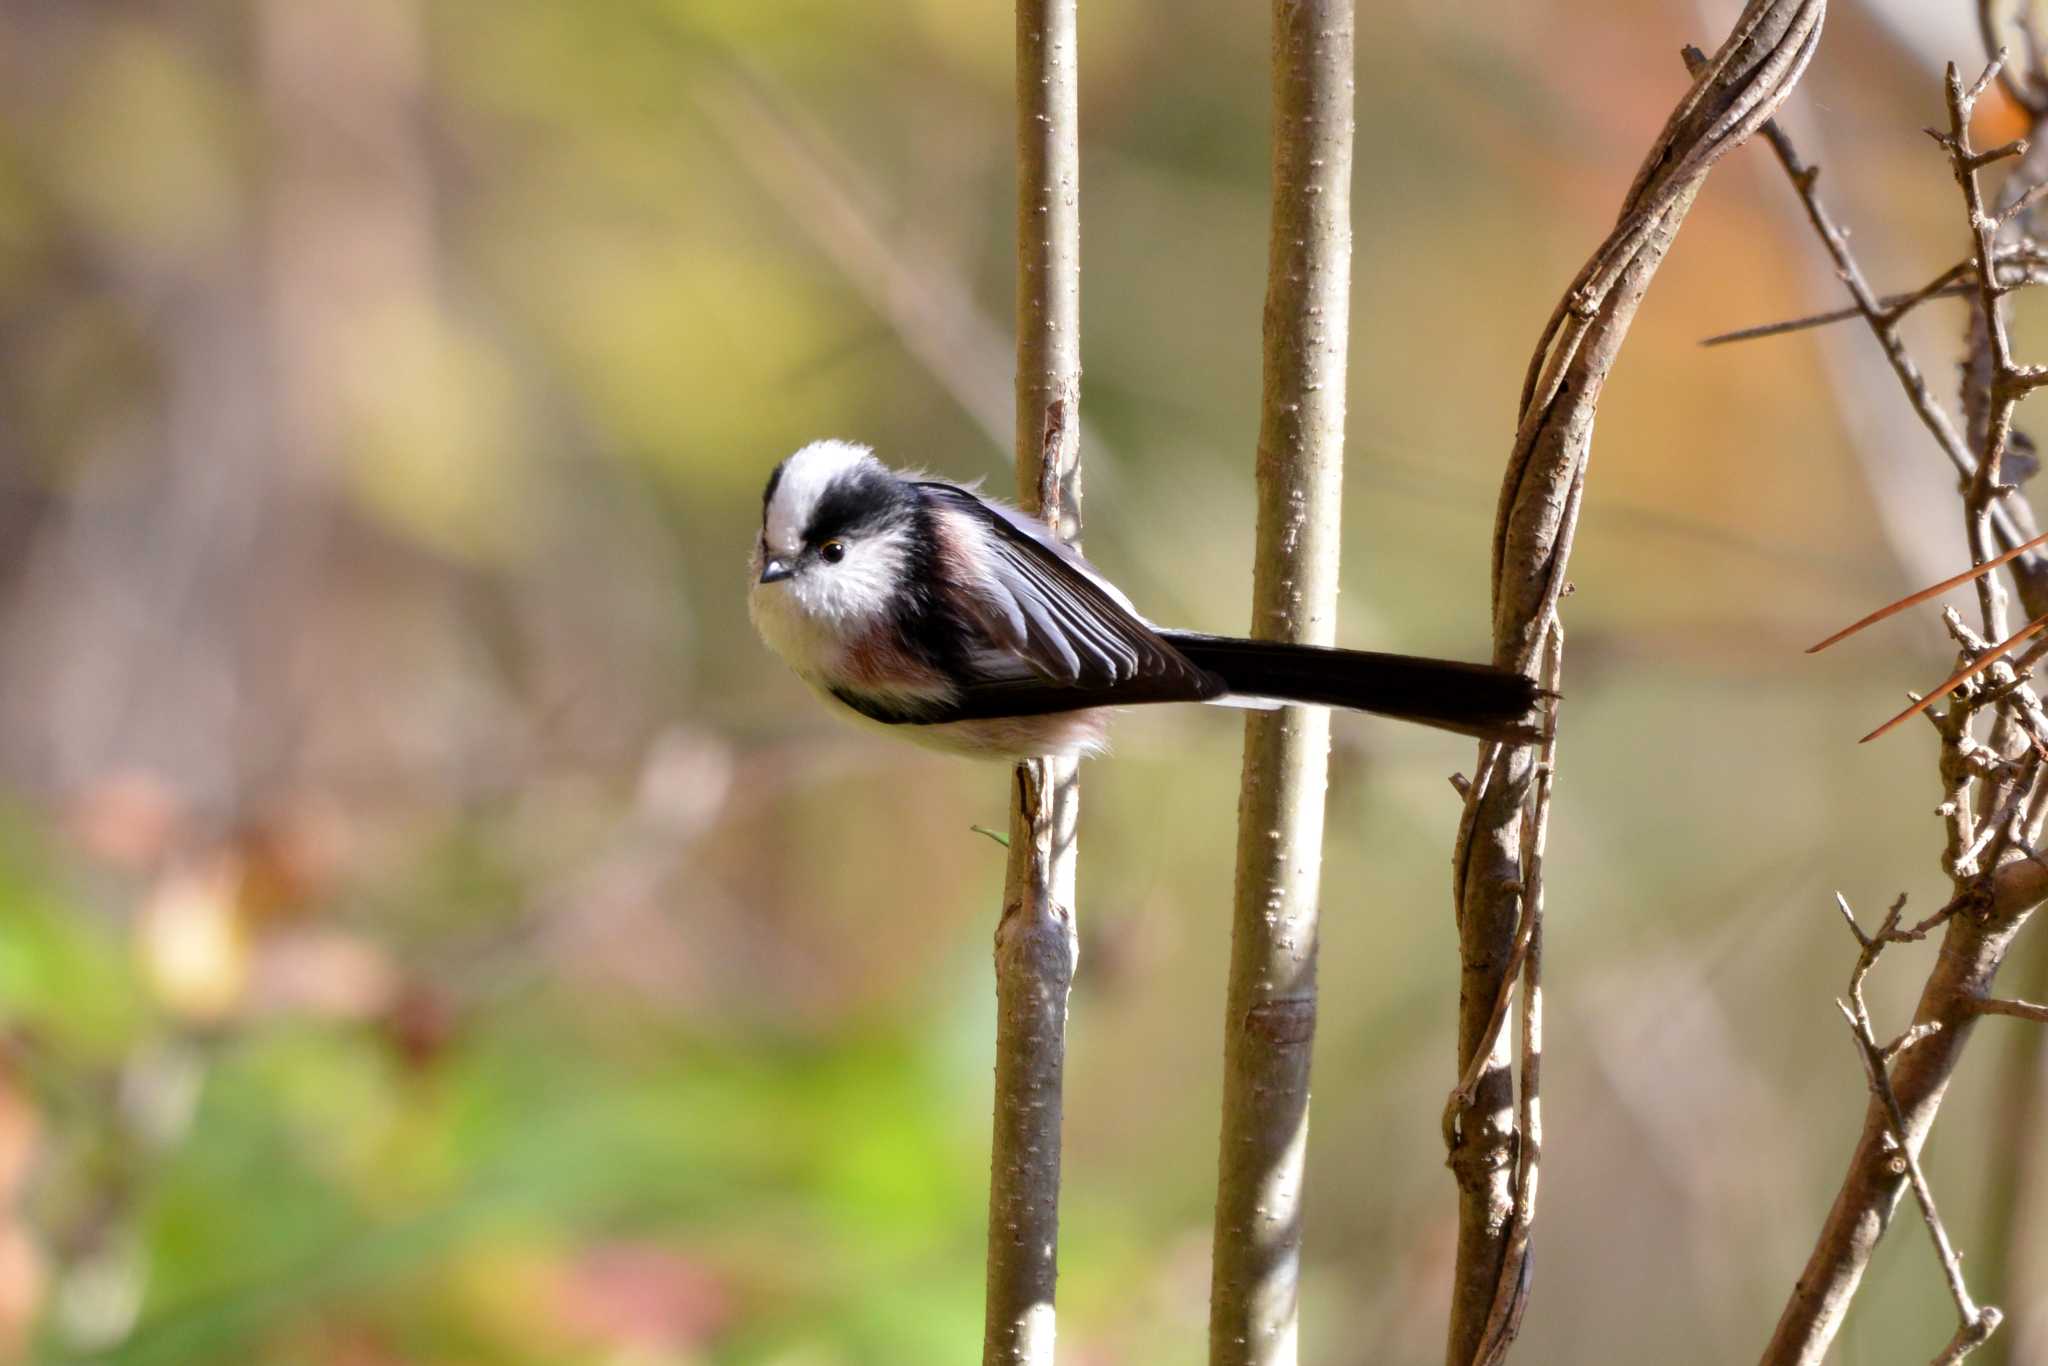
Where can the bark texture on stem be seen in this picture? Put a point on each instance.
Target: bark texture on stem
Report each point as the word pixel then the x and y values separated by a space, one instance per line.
pixel 1991 852
pixel 1269 1025
pixel 1730 98
pixel 2013 1158
pixel 1036 945
pixel 1973 945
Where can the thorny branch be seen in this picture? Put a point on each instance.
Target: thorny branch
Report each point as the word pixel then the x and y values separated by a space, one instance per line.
pixel 1994 795
pixel 2009 382
pixel 1977 1324
pixel 1492 1150
pixel 1884 318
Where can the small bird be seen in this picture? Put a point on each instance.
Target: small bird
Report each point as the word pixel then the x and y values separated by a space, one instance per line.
pixel 965 625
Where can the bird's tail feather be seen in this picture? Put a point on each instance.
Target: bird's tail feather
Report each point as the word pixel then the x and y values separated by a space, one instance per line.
pixel 1471 699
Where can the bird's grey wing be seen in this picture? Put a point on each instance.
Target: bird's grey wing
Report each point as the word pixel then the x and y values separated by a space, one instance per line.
pixel 1057 628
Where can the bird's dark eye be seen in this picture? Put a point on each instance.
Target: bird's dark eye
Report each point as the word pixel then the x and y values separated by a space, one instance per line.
pixel 832 552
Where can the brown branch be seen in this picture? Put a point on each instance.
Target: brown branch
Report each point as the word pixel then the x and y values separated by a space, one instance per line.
pixel 1036 945
pixel 2019 1010
pixel 1538 514
pixel 1992 806
pixel 1892 307
pixel 1994 796
pixel 1979 930
pixel 1976 1324
pixel 1884 325
pixel 1511 1290
pixel 2016 270
pixel 1269 1026
pixel 2007 381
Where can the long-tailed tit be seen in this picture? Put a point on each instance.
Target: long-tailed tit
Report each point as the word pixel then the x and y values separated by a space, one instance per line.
pixel 965 625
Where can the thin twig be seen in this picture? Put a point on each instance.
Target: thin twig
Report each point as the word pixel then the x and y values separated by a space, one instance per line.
pixel 1953 283
pixel 2006 380
pixel 1994 794
pixel 1950 284
pixel 2019 1010
pixel 1976 1323
pixel 928 304
pixel 1883 326
pixel 1036 945
pixel 1511 1291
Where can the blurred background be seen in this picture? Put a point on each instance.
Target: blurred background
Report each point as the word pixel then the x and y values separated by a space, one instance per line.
pixel 433 930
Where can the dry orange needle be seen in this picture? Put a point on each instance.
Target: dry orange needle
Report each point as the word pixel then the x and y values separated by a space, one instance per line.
pixel 1924 594
pixel 1962 675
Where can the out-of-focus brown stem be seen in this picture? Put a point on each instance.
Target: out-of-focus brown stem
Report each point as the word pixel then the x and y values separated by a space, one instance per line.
pixel 1036 945
pixel 1269 1026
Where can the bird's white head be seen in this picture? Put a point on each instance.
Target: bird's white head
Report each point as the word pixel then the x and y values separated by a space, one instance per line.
pixel 839 533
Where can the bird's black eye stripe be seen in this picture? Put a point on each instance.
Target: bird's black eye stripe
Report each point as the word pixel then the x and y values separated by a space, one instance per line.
pixel 861 500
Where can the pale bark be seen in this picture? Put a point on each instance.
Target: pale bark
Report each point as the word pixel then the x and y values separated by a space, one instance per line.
pixel 1036 947
pixel 1269 1026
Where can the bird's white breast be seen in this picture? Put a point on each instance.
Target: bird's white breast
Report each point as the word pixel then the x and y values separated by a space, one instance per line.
pixel 810 644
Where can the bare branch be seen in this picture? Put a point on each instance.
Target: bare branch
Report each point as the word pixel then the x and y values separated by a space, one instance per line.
pixel 1993 793
pixel 1036 944
pixel 2019 1010
pixel 2018 267
pixel 1950 284
pixel 1883 325
pixel 1511 1291
pixel 1976 1324
pixel 1981 491
pixel 1269 1027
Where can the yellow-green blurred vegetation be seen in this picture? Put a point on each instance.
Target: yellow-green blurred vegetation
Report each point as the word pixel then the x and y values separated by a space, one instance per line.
pixel 433 931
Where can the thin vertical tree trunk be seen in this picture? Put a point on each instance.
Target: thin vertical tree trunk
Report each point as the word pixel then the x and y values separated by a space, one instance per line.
pixel 1270 1025
pixel 1036 948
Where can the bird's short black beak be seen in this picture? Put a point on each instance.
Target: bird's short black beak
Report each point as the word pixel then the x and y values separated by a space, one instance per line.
pixel 775 571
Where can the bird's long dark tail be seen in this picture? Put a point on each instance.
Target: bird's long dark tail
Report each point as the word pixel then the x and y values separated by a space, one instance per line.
pixel 1471 699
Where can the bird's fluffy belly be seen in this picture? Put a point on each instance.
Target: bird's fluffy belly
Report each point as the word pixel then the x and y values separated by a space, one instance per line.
pixel 1009 738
